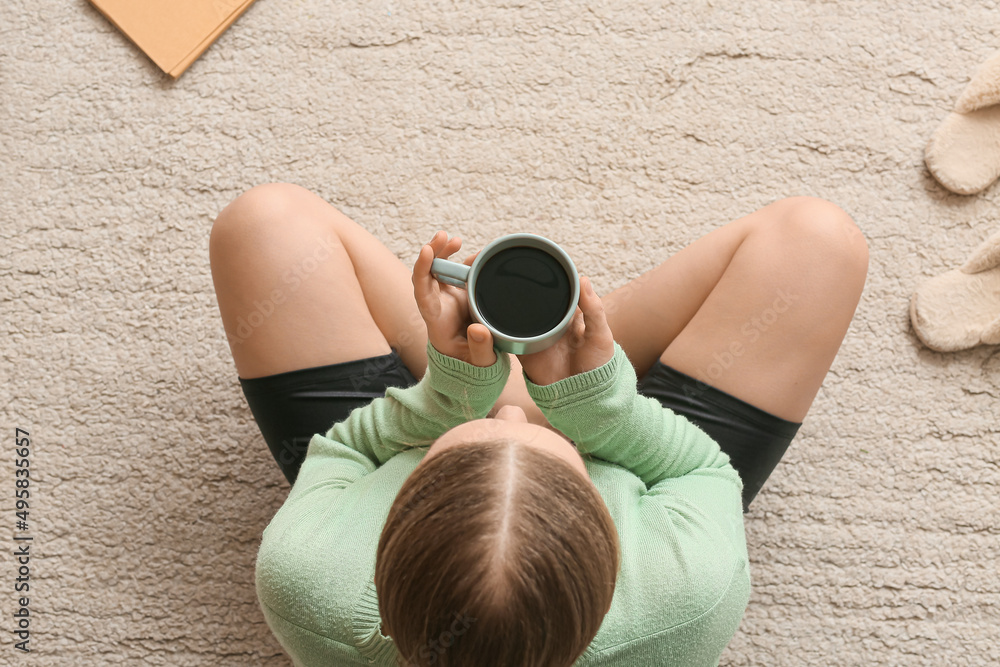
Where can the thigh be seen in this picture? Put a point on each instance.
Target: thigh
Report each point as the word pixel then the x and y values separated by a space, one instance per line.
pixel 300 285
pixel 756 309
pixel 647 313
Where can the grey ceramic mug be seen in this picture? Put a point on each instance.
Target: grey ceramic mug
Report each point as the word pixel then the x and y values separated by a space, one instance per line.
pixel 506 295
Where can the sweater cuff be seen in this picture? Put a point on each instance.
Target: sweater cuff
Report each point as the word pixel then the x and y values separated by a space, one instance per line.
pixel 577 387
pixel 469 373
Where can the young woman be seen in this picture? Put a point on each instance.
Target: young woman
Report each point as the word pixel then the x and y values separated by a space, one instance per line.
pixel 455 505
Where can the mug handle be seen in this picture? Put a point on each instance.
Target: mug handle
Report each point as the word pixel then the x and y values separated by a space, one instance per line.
pixel 451 273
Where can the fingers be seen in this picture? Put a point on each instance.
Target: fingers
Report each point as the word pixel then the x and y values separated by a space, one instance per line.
pixel 577 328
pixel 443 246
pixel 481 350
pixel 426 289
pixel 451 247
pixel 422 267
pixel 594 316
pixel 440 246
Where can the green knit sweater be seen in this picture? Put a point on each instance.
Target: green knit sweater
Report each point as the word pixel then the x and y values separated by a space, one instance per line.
pixel 684 581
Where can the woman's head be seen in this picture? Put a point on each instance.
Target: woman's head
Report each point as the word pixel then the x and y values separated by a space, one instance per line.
pixel 497 551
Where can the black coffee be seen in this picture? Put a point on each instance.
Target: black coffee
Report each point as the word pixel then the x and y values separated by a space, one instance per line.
pixel 523 292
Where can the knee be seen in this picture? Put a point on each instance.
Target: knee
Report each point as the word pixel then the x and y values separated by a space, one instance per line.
pixel 260 206
pixel 258 217
pixel 826 234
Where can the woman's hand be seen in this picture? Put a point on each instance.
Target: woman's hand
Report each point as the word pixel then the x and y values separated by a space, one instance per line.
pixel 445 308
pixel 587 344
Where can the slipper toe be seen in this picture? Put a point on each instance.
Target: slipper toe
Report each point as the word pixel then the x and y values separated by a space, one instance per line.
pixel 984 88
pixel 964 152
pixel 957 310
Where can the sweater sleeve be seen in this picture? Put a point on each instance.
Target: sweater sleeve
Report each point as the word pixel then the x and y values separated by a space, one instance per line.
pixel 685 581
pixel 450 393
pixel 605 416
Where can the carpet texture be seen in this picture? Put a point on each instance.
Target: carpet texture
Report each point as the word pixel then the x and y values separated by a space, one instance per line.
pixel 624 130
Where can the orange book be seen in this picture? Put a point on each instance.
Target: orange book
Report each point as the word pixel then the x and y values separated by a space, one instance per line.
pixel 173 33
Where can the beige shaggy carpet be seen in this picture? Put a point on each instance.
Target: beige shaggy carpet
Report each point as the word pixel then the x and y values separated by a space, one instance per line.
pixel 624 130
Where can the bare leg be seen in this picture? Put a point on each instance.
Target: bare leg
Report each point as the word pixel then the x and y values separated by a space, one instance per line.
pixel 300 284
pixel 757 308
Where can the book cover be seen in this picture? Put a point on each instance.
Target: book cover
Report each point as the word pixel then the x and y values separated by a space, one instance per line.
pixel 173 33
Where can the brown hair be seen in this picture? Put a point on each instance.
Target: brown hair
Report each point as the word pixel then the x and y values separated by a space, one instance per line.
pixel 495 554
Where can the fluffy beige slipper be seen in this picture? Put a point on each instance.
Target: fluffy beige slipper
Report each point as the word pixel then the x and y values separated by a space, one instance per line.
pixel 961 308
pixel 964 153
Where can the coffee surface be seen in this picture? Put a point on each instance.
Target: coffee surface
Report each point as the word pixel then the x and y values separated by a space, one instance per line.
pixel 523 292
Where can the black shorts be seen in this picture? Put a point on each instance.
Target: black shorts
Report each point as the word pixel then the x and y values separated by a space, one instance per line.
pixel 291 407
